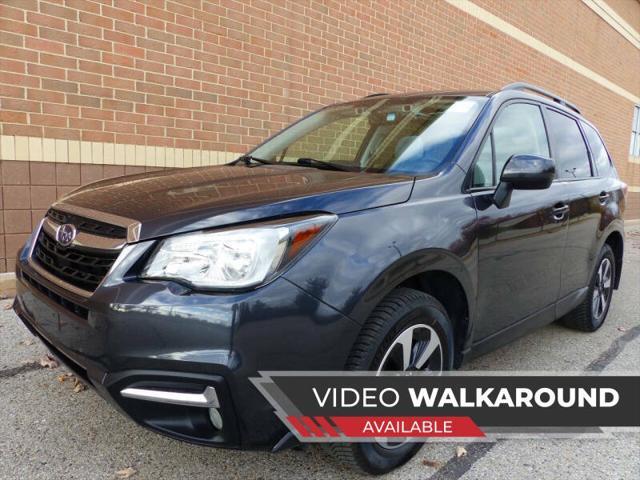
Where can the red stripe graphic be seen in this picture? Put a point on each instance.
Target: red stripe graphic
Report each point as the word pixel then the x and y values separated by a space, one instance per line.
pixel 298 426
pixel 327 426
pixel 310 424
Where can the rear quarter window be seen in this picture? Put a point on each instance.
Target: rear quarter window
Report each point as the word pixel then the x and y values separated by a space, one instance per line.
pixel 598 150
pixel 567 146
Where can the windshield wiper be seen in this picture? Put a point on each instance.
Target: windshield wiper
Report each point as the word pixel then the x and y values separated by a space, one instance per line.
pixel 247 159
pixel 313 162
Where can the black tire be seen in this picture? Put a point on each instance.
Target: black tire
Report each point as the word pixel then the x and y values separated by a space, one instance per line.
pixel 400 310
pixel 582 317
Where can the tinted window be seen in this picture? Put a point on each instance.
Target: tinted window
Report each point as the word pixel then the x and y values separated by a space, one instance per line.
pixel 409 135
pixel 599 152
pixel 483 173
pixel 569 150
pixel 519 129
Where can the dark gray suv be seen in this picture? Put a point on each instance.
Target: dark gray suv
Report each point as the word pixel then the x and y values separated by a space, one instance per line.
pixel 395 232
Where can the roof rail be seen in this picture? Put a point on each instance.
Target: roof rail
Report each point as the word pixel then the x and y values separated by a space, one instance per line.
pixel 375 94
pixel 541 91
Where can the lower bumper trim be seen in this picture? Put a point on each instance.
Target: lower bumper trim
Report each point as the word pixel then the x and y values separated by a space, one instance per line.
pixel 207 399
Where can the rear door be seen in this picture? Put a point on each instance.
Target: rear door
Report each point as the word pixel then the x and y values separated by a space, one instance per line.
pixel 585 194
pixel 520 246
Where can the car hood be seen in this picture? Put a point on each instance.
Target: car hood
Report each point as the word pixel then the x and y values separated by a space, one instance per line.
pixel 173 201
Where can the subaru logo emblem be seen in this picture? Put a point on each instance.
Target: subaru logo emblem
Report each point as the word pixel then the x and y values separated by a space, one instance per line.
pixel 66 234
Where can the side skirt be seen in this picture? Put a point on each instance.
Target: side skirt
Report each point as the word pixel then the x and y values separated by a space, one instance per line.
pixel 541 318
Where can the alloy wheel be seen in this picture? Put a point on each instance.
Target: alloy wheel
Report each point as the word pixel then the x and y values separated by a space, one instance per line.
pixel 601 290
pixel 415 349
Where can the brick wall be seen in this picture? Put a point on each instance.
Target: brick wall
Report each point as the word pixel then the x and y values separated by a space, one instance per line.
pixel 99 88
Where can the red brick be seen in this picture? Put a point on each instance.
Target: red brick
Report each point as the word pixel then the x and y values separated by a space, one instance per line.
pixel 95 43
pixel 97 136
pixel 59 86
pixel 57 35
pixel 95 67
pixel 57 109
pixel 11 91
pixel 7 11
pixel 63 133
pixel 23 130
pixel 121 60
pixel 47 120
pixel 45 20
pixel 13 117
pixel 97 20
pixel 128 50
pixel 84 29
pixel 17 27
pixel 44 71
pixel 13 39
pixel 20 105
pixel 84 53
pixel 96 113
pixel 18 53
pixel 84 5
pixel 58 61
pixel 57 11
pixel 117 13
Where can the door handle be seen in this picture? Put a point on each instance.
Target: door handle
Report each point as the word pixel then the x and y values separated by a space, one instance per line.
pixel 559 211
pixel 603 197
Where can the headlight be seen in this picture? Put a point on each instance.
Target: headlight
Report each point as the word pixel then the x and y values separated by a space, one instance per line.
pixel 237 258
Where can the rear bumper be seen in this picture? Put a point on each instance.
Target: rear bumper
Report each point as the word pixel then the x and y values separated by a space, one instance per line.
pixel 137 335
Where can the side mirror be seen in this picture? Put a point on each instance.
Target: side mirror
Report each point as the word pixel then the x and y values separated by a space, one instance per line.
pixel 523 172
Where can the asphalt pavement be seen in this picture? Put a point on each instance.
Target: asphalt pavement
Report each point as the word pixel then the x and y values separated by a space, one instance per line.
pixel 50 431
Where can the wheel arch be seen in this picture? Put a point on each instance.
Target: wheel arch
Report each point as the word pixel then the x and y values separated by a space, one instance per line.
pixel 615 240
pixel 438 273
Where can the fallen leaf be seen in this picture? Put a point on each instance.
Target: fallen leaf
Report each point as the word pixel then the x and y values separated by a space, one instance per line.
pixel 49 362
pixel 622 329
pixel 126 472
pixel 432 463
pixel 63 377
pixel 27 342
pixel 461 452
pixel 78 387
pixel 8 306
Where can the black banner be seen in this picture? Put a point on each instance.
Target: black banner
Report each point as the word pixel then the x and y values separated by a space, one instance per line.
pixel 490 401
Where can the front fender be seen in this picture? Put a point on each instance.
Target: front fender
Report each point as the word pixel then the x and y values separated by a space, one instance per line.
pixel 408 266
pixel 367 254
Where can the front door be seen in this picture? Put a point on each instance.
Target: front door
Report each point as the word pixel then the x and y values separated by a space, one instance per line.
pixel 521 246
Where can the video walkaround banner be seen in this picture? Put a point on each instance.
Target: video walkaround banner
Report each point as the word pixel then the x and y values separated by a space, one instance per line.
pixel 364 406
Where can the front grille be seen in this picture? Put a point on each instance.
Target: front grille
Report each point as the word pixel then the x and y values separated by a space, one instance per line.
pixel 59 299
pixel 87 225
pixel 83 268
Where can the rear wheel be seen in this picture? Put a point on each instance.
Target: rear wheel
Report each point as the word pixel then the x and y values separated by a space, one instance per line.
pixel 408 331
pixel 592 312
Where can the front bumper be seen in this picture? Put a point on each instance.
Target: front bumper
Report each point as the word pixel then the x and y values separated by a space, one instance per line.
pixel 152 336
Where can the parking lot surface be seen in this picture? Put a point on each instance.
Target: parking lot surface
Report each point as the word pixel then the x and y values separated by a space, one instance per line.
pixel 49 431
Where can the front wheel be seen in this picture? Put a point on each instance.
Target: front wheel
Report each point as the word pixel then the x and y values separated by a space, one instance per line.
pixel 408 331
pixel 591 313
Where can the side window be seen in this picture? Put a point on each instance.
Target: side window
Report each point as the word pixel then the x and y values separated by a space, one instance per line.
pixel 483 172
pixel 634 149
pixel 600 155
pixel 569 150
pixel 519 129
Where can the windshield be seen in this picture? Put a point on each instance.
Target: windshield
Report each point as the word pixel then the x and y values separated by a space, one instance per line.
pixel 406 135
